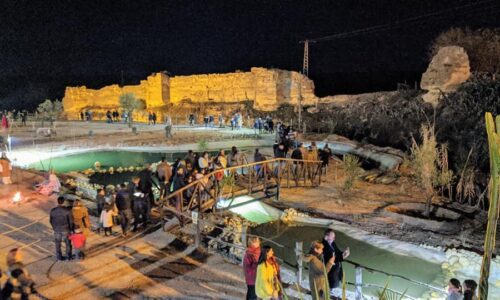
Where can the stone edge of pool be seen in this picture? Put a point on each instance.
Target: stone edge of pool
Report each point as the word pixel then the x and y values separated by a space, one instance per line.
pixel 24 158
pixel 398 247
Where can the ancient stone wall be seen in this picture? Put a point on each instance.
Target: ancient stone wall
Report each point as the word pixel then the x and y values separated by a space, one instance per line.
pixel 153 90
pixel 267 88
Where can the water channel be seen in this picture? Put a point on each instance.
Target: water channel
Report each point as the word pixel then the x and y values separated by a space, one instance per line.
pixel 361 252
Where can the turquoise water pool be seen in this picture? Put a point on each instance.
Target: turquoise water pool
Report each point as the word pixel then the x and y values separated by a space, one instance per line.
pixel 361 253
pixel 115 159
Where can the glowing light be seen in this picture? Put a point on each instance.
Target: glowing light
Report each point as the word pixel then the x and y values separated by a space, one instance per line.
pixel 17 197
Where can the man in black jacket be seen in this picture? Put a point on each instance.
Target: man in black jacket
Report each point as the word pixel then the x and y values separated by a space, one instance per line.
pixel 331 249
pixel 124 206
pixel 61 220
pixel 146 186
pixel 138 202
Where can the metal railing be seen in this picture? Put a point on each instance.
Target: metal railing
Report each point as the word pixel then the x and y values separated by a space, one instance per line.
pixel 298 266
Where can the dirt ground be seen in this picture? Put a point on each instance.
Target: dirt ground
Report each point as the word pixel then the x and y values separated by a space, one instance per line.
pixel 364 206
pixel 152 264
pixel 75 134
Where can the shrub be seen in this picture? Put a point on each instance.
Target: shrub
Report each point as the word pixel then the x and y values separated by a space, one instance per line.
pixel 351 167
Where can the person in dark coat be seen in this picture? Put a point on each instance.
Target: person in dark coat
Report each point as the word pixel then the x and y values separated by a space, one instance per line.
pixel 124 206
pixel 178 182
pixel 325 154
pixel 138 202
pixel 61 221
pixel 146 186
pixel 331 249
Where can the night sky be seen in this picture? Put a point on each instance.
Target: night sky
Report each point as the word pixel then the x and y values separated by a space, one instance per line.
pixel 47 45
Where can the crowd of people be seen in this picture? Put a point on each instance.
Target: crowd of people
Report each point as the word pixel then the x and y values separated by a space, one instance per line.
pixel 9 117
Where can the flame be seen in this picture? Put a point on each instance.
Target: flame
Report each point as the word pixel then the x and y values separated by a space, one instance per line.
pixel 17 197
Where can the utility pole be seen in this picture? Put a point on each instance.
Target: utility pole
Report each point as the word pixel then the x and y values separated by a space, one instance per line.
pixel 300 105
pixel 305 65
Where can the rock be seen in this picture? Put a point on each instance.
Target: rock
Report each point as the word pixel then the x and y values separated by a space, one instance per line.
pixel 453 259
pixel 448 69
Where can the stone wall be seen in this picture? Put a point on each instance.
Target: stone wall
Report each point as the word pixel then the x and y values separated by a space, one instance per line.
pixel 267 88
pixel 153 90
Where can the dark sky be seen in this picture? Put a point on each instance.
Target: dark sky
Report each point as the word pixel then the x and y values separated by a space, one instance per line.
pixel 46 45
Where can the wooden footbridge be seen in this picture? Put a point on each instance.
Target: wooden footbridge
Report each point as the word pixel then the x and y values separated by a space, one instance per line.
pixel 261 180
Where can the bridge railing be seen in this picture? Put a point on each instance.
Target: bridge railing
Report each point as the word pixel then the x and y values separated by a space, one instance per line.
pixel 247 178
pixel 298 266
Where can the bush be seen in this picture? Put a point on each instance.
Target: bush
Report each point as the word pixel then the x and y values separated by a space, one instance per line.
pixel 482 46
pixel 351 167
pixel 460 123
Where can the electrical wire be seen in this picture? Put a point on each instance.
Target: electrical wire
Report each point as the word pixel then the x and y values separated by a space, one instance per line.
pixel 472 8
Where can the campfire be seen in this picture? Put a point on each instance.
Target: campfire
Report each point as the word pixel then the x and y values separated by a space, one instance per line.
pixel 16 198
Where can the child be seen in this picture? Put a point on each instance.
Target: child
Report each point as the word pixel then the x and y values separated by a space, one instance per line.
pixel 78 240
pixel 107 215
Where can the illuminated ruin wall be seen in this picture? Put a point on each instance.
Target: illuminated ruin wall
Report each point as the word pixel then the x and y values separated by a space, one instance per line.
pixel 153 90
pixel 267 88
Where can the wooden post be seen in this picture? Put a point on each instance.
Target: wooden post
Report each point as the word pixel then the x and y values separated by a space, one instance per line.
pixel 298 255
pixel 249 180
pixel 358 285
pixel 288 174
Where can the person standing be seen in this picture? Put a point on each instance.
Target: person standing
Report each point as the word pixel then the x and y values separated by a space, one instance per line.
pixel 154 118
pixel 138 202
pixel 81 217
pixel 61 221
pixel 19 285
pixel 124 206
pixel 332 250
pixel 164 172
pixel 107 215
pixel 146 186
pixel 24 117
pixel 470 287
pixel 250 262
pixel 325 154
pixel 454 290
pixel 5 169
pixel 101 200
pixel 317 269
pixel 267 284
pixel 5 122
pixel 221 121
pixel 78 240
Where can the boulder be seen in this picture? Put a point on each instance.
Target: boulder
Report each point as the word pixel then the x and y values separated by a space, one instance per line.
pixel 448 69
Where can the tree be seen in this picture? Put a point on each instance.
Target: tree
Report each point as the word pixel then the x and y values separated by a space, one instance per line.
pixel 482 46
pixel 129 103
pixel 49 110
pixel 493 130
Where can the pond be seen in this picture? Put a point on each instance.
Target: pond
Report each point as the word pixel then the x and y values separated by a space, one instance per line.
pixel 361 253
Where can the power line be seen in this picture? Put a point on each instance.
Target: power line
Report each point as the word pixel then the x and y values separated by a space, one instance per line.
pixel 471 8
pixel 419 18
